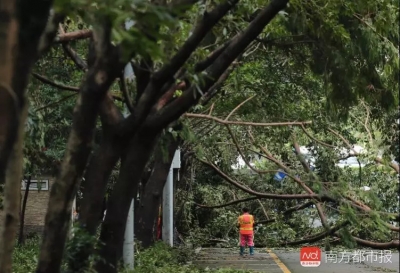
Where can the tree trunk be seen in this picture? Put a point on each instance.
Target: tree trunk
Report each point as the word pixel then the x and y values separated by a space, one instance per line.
pixel 147 211
pixel 92 92
pixel 113 228
pixel 95 186
pixel 11 135
pixel 12 196
pixel 21 238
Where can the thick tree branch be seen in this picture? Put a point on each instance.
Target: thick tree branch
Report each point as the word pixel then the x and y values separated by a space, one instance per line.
pixel 212 91
pixel 375 245
pixel 79 62
pixel 189 98
pixel 204 64
pixel 152 92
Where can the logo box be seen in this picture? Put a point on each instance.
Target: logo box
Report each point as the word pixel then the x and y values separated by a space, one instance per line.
pixel 310 256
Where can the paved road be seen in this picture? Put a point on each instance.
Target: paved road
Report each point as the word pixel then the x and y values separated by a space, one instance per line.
pixel 282 261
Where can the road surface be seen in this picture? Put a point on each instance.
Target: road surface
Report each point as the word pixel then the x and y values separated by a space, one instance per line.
pixel 284 261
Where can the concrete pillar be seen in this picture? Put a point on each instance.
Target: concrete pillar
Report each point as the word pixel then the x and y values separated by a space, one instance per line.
pixel 168 210
pixel 129 243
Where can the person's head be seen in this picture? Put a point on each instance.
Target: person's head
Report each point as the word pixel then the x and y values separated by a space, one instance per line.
pixel 245 210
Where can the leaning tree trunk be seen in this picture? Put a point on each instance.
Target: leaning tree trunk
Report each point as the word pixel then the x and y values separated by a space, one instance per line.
pixel 21 238
pixel 113 227
pixel 95 185
pixel 101 75
pixel 147 211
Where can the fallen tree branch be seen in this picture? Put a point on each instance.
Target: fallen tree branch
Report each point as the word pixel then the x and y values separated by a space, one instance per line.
pixel 317 237
pixel 375 245
pixel 266 195
pixel 300 182
pixel 367 209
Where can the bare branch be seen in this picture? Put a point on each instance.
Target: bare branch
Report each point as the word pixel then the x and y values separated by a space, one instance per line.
pixel 56 102
pixel 211 109
pixel 54 84
pixel 63 86
pixel 316 140
pixel 237 107
pixel 244 123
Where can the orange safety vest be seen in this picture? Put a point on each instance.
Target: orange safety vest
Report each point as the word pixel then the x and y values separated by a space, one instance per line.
pixel 246 222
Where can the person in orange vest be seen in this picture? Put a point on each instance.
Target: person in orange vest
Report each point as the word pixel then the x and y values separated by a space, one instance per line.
pixel 246 223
